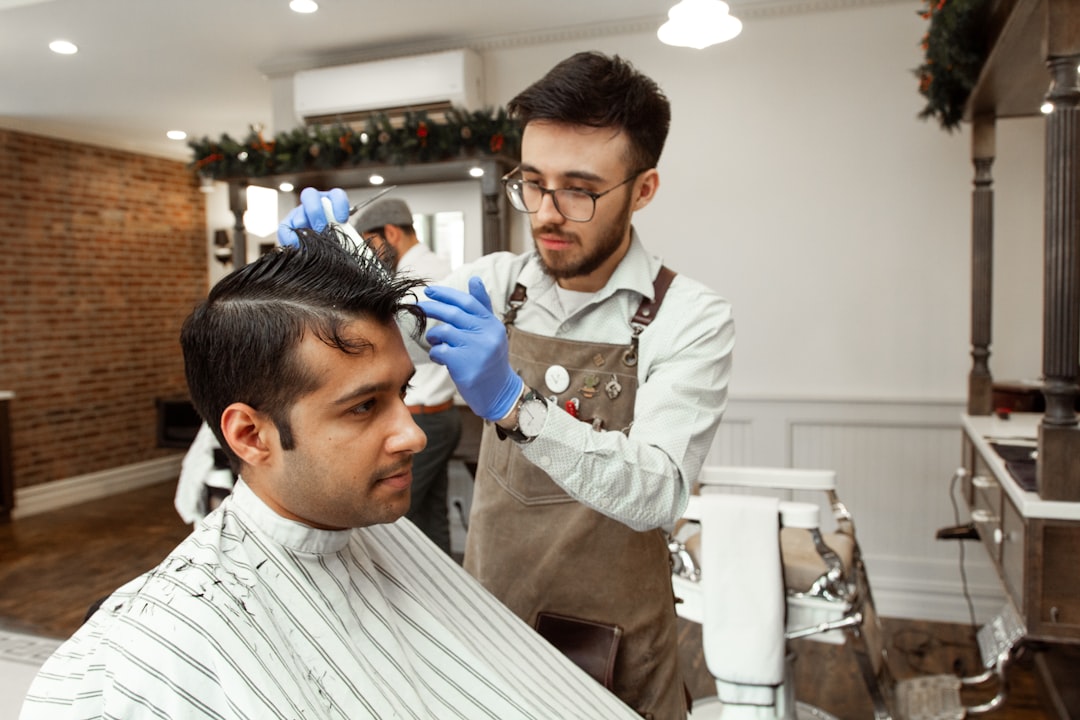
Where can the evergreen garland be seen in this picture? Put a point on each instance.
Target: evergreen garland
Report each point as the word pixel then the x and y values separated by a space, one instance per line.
pixel 955 47
pixel 415 138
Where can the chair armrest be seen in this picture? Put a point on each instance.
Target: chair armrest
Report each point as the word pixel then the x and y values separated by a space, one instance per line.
pixel 781 478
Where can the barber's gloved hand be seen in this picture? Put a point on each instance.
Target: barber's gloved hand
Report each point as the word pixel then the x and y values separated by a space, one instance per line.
pixel 472 345
pixel 309 214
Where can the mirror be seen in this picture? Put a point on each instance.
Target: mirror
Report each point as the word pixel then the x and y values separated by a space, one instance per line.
pixel 444 233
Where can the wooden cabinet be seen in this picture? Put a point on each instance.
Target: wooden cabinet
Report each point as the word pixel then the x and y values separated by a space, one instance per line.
pixel 1033 543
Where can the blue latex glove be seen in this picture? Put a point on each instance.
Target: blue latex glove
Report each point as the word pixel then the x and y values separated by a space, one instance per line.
pixel 472 345
pixel 309 214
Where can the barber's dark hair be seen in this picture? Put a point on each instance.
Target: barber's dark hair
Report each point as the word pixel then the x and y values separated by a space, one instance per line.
pixel 240 344
pixel 590 88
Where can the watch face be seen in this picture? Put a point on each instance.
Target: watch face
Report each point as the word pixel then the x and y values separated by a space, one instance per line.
pixel 531 416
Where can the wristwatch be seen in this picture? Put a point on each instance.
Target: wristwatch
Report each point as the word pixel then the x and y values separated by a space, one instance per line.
pixel 531 413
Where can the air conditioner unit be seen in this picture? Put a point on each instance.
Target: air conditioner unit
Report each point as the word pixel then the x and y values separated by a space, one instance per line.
pixel 350 92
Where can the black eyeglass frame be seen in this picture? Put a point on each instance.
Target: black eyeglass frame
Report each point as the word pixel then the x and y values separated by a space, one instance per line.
pixel 508 181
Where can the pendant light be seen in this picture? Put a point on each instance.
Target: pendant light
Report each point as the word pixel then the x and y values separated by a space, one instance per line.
pixel 699 24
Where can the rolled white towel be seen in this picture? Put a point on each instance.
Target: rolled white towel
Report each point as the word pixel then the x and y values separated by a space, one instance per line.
pixel 743 587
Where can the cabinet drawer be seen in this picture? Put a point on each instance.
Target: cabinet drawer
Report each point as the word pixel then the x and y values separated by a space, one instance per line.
pixel 986 501
pixel 1012 554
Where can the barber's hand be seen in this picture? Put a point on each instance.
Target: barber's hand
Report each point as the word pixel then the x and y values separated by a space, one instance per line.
pixel 472 345
pixel 309 214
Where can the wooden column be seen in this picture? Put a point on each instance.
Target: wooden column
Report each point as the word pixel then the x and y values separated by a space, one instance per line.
pixel 1058 473
pixel 496 219
pixel 980 381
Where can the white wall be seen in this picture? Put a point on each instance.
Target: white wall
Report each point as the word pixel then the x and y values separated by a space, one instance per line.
pixel 798 182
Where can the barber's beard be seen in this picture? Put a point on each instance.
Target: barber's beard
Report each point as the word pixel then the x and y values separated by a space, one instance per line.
pixel 607 244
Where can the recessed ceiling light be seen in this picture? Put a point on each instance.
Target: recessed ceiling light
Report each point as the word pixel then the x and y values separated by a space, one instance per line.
pixel 376 179
pixel 476 172
pixel 63 47
pixel 303 6
pixel 176 134
pixel 285 187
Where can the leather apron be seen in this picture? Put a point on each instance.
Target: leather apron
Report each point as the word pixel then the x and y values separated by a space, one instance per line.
pixel 537 549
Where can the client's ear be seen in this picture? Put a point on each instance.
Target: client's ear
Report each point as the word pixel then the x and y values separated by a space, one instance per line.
pixel 250 434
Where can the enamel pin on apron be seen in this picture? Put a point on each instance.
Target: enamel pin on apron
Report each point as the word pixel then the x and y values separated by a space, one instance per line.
pixel 591 383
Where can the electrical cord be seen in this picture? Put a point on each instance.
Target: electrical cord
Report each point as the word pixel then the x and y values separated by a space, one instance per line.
pixel 917 645
pixel 960 473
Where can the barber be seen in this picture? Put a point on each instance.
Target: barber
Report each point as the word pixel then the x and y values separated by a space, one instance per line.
pixel 602 374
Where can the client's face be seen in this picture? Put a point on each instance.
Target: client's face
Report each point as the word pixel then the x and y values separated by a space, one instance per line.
pixel 355 438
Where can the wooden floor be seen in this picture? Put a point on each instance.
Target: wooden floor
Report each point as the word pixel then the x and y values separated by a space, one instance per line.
pixel 53 566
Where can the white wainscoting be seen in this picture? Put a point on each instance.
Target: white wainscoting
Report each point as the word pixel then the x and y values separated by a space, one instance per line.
pixel 93 486
pixel 895 461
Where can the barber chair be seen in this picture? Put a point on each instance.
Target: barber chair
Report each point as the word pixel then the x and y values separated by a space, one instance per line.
pixel 826 598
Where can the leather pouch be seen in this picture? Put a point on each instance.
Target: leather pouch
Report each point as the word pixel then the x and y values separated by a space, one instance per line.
pixel 590 645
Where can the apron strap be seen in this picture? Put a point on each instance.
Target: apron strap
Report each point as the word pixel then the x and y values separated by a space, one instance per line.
pixel 514 303
pixel 648 308
pixel 646 312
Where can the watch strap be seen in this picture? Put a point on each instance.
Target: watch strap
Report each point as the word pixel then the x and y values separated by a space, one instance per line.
pixel 515 433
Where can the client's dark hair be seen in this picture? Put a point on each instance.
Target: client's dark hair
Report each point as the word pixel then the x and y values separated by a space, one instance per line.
pixel 590 88
pixel 240 344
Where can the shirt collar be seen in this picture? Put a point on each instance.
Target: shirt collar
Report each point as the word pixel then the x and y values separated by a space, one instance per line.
pixel 288 533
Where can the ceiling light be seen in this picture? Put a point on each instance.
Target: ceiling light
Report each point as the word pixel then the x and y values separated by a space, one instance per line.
pixel 176 134
pixel 285 187
pixel 476 172
pixel 63 47
pixel 376 179
pixel 303 6
pixel 1046 108
pixel 699 24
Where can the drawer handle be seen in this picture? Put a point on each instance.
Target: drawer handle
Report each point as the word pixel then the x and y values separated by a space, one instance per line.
pixel 982 482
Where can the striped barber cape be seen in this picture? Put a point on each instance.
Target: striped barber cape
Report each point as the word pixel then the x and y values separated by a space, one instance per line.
pixel 256 616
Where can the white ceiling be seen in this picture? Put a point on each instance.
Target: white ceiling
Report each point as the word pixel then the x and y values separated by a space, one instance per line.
pixel 148 66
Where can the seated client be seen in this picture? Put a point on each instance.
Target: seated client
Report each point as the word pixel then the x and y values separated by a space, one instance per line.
pixel 303 595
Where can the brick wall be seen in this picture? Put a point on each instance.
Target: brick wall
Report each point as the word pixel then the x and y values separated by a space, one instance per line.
pixel 103 256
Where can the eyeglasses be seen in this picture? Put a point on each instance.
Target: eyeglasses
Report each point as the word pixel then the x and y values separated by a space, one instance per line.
pixel 575 205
